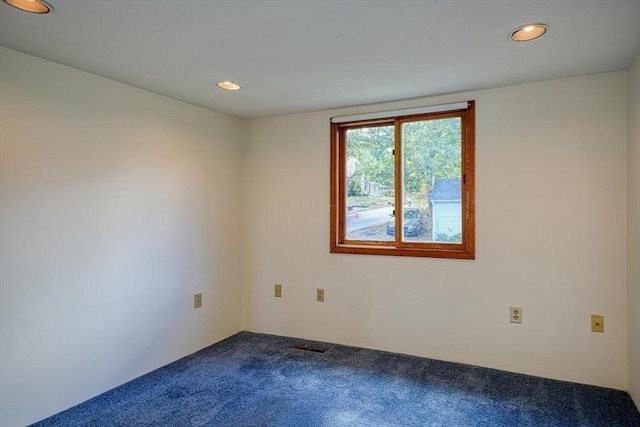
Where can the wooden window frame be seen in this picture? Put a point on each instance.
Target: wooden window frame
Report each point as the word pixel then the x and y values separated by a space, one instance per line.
pixel 338 211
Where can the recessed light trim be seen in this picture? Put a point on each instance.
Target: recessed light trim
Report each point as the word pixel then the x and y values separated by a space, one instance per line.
pixel 528 32
pixel 227 85
pixel 32 6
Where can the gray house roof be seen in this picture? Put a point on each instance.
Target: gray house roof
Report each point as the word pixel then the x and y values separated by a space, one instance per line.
pixel 446 189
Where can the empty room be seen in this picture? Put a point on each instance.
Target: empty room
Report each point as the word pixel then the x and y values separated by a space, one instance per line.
pixel 320 213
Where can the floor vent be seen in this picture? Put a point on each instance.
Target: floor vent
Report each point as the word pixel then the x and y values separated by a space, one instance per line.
pixel 303 348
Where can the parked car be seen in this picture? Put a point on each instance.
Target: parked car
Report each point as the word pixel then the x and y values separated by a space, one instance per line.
pixel 412 222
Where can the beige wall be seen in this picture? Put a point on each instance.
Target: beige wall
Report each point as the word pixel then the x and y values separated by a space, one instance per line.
pixel 633 233
pixel 551 236
pixel 116 206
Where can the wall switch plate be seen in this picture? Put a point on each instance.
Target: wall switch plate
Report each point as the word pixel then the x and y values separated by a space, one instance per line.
pixel 278 290
pixel 197 300
pixel 515 314
pixel 320 295
pixel 597 323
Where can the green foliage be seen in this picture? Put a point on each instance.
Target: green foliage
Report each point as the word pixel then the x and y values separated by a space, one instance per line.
pixel 431 150
pixel 373 148
pixel 444 237
pixel 354 189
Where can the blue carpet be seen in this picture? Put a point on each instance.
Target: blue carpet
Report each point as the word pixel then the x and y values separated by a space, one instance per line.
pixel 259 380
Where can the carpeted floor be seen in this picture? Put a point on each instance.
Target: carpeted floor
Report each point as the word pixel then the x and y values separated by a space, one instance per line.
pixel 260 380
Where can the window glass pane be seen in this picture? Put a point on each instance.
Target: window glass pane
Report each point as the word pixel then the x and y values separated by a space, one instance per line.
pixel 369 183
pixel 431 181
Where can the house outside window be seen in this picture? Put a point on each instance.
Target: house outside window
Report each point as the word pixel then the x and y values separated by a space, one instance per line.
pixel 446 205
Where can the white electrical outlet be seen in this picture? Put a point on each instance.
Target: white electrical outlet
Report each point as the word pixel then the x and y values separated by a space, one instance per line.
pixel 515 314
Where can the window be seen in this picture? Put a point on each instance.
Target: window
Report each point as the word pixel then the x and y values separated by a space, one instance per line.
pixel 402 182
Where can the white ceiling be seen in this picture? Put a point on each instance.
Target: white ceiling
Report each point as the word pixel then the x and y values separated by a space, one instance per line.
pixel 294 56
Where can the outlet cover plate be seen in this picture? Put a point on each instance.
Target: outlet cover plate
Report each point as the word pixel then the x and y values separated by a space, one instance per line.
pixel 597 323
pixel 278 290
pixel 515 314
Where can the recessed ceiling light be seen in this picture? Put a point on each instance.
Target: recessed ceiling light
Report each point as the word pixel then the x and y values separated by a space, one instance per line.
pixel 528 32
pixel 227 85
pixel 32 6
